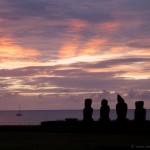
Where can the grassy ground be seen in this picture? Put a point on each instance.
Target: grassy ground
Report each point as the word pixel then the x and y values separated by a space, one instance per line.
pixel 69 141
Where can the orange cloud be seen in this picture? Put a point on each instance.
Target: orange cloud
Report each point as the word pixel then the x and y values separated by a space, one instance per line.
pixel 12 51
pixel 14 56
pixel 93 46
pixel 76 24
pixel 68 50
pixel 108 26
pixel 73 49
pixel 117 49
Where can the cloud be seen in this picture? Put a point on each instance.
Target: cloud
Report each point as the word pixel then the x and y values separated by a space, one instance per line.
pixel 38 22
pixel 25 71
pixel 92 16
pixel 114 62
pixel 71 48
pixel 78 77
pixel 139 95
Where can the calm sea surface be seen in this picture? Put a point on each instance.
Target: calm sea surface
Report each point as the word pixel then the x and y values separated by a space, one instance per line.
pixel 34 117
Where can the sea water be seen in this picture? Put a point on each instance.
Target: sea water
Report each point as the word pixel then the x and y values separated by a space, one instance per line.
pixel 35 117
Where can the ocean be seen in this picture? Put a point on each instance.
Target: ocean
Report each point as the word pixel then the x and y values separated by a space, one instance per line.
pixel 34 117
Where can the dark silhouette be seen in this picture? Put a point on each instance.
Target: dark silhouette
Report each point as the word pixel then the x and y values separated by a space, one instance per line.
pixel 140 112
pixel 88 110
pixel 121 109
pixel 104 111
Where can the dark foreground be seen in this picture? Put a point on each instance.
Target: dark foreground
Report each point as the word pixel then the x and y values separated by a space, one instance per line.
pixel 75 136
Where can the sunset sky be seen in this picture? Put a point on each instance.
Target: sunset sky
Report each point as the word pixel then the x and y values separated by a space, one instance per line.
pixel 56 53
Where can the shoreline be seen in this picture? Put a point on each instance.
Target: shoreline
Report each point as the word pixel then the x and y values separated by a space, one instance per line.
pixel 72 126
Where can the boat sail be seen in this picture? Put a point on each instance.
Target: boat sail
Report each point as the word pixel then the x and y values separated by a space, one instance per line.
pixel 19 112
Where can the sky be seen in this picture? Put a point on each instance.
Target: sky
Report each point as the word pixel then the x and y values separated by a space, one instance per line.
pixel 56 53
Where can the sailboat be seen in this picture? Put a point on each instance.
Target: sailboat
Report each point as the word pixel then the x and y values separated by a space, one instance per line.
pixel 19 112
